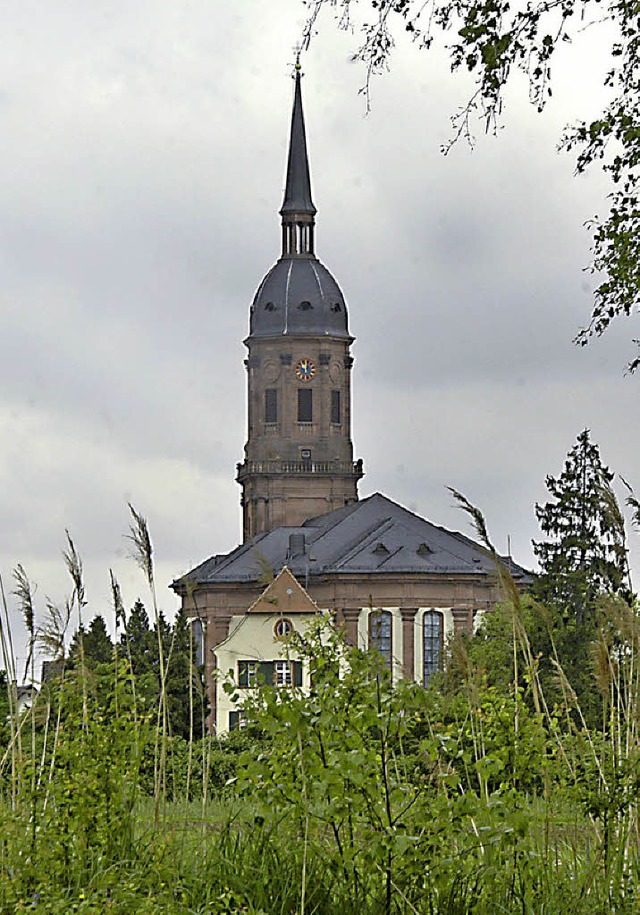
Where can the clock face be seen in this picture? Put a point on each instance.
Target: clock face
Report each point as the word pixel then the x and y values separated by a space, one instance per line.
pixel 305 370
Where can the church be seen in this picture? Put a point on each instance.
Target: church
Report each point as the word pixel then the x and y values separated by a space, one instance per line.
pixel 388 577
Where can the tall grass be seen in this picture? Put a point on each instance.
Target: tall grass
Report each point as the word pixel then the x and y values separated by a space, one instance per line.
pixel 361 798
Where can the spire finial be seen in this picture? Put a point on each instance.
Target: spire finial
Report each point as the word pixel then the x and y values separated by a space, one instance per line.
pixel 297 67
pixel 297 196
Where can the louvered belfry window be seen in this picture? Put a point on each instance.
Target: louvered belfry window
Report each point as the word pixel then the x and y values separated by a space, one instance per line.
pixel 336 414
pixel 305 405
pixel 271 405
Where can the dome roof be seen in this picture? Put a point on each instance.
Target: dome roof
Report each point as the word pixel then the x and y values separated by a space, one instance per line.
pixel 298 296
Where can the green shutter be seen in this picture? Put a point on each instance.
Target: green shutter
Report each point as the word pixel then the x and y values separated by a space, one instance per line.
pixel 234 721
pixel 266 673
pixel 297 673
pixel 243 673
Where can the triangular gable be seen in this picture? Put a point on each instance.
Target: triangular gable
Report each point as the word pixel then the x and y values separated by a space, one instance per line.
pixel 285 595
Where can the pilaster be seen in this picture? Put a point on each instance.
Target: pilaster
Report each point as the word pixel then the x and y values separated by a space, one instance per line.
pixel 408 615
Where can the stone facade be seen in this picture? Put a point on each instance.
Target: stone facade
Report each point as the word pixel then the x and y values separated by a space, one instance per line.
pixel 297 469
pixel 349 599
pixel 390 579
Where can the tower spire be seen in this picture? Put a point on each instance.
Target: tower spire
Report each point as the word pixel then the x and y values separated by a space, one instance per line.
pixel 297 209
pixel 298 458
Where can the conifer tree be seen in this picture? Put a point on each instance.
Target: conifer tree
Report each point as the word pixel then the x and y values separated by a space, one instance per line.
pixel 139 640
pixel 97 644
pixel 97 641
pixel 185 698
pixel 185 685
pixel 584 553
pixel 140 647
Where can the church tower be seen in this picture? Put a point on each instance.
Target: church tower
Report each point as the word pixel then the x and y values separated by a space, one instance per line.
pixel 299 455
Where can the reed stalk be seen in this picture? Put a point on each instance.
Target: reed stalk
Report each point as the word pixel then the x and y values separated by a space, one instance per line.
pixel 142 553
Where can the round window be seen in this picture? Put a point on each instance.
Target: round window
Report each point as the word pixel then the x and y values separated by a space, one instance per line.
pixel 283 628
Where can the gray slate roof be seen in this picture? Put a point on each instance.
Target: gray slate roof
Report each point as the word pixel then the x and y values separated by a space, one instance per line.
pixel 297 194
pixel 298 296
pixel 370 536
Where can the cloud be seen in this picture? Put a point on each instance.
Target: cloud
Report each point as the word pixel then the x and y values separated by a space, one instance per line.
pixel 143 166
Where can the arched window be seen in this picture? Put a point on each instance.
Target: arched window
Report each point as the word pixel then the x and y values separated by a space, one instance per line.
pixel 380 634
pixel 432 643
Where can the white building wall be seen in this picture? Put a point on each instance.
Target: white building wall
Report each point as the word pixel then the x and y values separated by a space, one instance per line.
pixel 252 638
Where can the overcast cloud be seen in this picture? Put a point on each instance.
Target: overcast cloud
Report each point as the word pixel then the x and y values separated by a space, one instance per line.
pixel 143 159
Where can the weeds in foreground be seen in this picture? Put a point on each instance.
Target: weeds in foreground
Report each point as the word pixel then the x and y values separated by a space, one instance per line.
pixel 360 797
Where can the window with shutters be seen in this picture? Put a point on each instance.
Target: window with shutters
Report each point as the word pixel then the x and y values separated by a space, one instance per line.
pixel 271 405
pixel 305 405
pixel 283 673
pixel 336 414
pixel 247 673
pixel 432 643
pixel 380 634
pixel 269 673
pixel 255 673
pixel 237 720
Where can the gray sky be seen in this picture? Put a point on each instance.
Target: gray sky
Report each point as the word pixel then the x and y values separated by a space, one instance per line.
pixel 143 161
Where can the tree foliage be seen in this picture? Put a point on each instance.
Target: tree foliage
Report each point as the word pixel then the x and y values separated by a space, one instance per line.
pixel 183 680
pixel 492 39
pixel 137 647
pixel 584 554
pixel 96 642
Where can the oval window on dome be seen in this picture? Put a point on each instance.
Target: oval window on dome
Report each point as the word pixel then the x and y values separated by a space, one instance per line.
pixel 305 306
pixel 269 306
pixel 336 307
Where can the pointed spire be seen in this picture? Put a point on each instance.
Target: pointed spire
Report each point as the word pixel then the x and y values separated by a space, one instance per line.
pixel 297 195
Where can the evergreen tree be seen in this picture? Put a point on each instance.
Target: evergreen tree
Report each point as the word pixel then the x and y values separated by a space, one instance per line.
pixel 96 643
pixel 185 685
pixel 584 554
pixel 139 645
pixel 98 647
pixel 140 641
